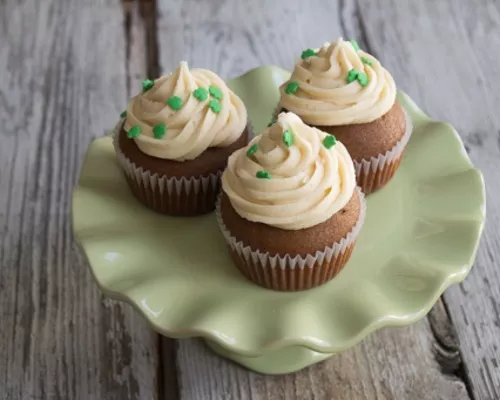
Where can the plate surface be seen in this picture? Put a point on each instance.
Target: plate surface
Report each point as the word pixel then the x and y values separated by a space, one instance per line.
pixel 421 235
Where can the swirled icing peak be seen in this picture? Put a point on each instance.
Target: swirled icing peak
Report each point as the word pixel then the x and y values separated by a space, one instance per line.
pixel 292 176
pixel 338 84
pixel 179 116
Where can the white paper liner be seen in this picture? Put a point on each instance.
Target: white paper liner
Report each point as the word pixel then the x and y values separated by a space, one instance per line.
pixel 375 164
pixel 168 187
pixel 287 260
pixel 375 172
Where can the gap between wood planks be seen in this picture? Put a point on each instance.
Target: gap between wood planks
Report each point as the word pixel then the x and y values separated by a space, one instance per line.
pixel 140 18
pixel 142 62
pixel 447 351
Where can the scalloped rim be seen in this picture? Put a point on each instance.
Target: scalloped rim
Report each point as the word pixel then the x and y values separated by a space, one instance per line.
pixel 327 348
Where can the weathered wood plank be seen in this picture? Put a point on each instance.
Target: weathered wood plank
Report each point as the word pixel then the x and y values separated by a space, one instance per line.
pixel 63 69
pixel 392 364
pixel 440 52
pixel 230 38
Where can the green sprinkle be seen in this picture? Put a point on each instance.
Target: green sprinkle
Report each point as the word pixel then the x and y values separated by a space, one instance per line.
pixel 159 130
pixel 263 175
pixel 367 61
pixel 308 53
pixel 215 92
pixel 215 106
pixel 288 138
pixel 174 102
pixel 352 75
pixel 201 93
pixel 147 84
pixel 354 44
pixel 123 114
pixel 134 132
pixel 252 150
pixel 362 79
pixel 273 121
pixel 291 87
pixel 329 141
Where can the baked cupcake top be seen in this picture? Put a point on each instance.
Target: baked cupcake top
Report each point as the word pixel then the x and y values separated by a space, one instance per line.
pixel 338 84
pixel 291 176
pixel 177 117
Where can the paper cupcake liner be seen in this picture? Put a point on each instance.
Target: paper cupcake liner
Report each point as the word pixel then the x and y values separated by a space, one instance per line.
pixel 290 272
pixel 183 196
pixel 374 173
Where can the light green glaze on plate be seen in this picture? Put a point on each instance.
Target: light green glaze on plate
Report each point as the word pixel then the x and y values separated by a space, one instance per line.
pixel 421 235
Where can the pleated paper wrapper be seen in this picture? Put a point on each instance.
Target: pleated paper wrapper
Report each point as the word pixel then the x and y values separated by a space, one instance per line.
pixel 374 173
pixel 185 196
pixel 288 272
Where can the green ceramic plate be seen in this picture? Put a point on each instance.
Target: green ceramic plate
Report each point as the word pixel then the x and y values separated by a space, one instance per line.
pixel 420 236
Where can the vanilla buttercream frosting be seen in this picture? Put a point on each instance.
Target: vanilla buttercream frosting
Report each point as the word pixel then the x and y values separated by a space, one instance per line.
pixel 292 176
pixel 338 84
pixel 179 116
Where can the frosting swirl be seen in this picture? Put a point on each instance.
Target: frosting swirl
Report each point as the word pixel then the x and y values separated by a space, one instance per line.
pixel 327 97
pixel 309 176
pixel 214 118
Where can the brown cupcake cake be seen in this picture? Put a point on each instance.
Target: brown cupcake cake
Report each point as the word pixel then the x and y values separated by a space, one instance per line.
pixel 174 140
pixel 346 92
pixel 290 210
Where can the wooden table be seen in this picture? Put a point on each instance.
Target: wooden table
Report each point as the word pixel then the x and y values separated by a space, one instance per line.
pixel 67 68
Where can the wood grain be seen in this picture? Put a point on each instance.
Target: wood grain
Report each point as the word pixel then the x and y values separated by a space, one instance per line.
pixel 67 67
pixel 232 37
pixel 396 363
pixel 420 361
pixel 63 70
pixel 440 53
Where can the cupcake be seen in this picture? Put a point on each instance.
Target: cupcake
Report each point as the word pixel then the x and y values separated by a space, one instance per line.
pixel 346 92
pixel 175 137
pixel 289 209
